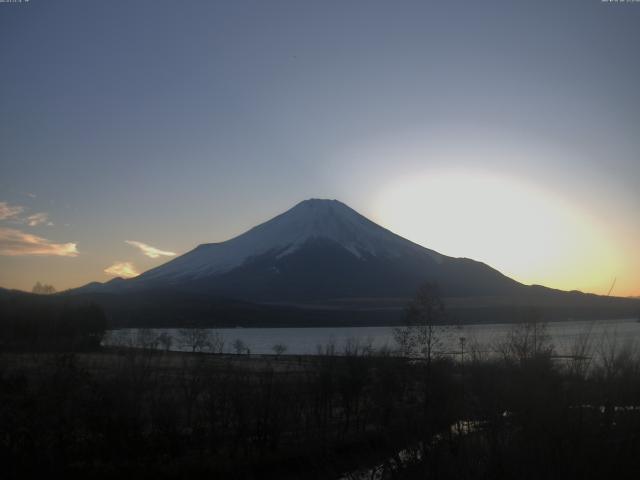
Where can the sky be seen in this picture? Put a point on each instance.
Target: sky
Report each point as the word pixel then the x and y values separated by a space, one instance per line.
pixel 503 131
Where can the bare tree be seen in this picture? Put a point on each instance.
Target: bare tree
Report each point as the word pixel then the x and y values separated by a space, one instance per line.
pixel 424 315
pixel 615 355
pixel 352 347
pixel 279 349
pixel 197 339
pixel 527 340
pixel 43 289
pixel 581 353
pixel 239 346
pixel 216 342
pixel 119 338
pixel 165 340
pixel 329 349
pixel 146 339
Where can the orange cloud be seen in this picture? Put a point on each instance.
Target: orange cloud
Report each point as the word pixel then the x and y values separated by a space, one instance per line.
pixel 122 269
pixel 15 243
pixel 149 251
pixel 9 211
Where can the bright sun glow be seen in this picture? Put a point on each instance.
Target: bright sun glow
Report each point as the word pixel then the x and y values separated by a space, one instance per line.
pixel 525 232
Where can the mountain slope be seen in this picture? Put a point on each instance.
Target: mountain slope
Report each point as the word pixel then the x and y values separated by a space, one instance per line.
pixel 322 263
pixel 320 249
pixel 310 220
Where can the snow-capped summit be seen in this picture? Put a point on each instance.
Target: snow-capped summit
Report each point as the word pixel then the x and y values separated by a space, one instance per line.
pixel 310 220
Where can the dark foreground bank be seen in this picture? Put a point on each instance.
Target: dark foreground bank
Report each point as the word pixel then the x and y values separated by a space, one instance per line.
pixel 71 408
pixel 144 413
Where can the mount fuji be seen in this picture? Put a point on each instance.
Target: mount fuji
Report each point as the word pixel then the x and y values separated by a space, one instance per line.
pixel 319 250
pixel 320 255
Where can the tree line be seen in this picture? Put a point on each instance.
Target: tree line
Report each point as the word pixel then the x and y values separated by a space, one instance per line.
pixel 36 322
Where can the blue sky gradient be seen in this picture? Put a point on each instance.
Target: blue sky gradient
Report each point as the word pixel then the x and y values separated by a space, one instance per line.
pixel 177 123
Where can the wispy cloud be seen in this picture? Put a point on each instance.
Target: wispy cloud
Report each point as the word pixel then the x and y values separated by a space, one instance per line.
pixel 14 213
pixel 149 251
pixel 9 211
pixel 38 219
pixel 15 243
pixel 122 269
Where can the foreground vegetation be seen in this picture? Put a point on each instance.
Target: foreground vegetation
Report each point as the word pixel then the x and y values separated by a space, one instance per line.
pixel 70 407
pixel 144 412
pixel 42 323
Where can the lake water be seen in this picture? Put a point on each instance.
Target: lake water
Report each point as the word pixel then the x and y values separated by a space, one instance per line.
pixel 300 341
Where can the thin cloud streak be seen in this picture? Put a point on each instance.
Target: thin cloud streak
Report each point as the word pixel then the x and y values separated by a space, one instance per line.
pixel 122 269
pixel 17 243
pixel 149 251
pixel 9 211
pixel 13 213
pixel 38 219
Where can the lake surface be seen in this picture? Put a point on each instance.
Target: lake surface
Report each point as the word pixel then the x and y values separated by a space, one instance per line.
pixel 299 341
